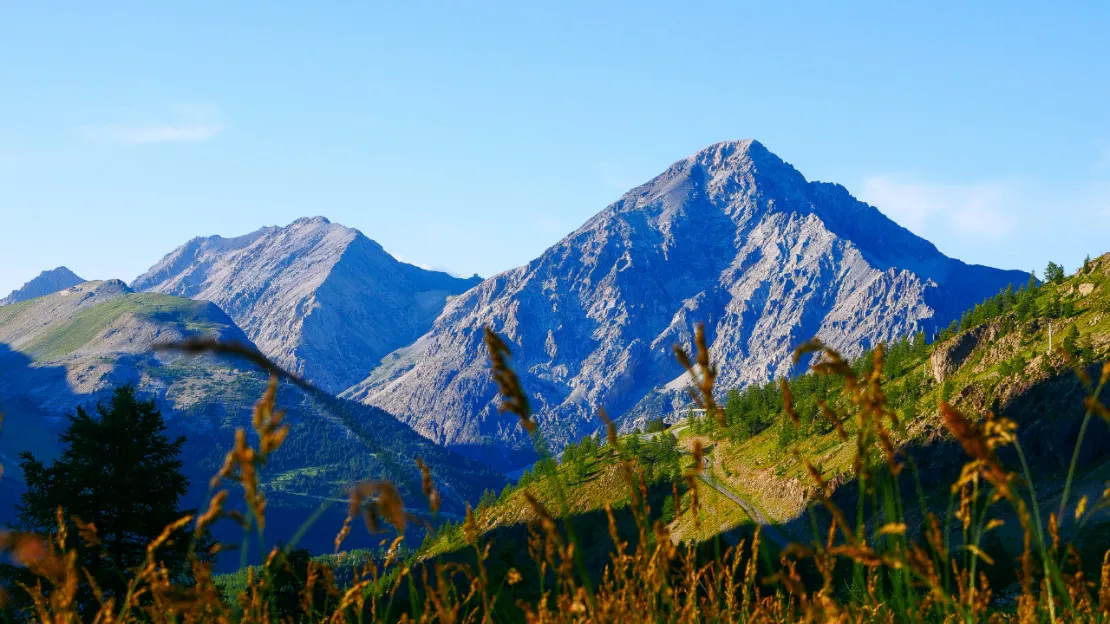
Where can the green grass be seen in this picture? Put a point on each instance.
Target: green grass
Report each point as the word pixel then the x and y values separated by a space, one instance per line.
pixel 233 584
pixel 87 324
pixel 9 312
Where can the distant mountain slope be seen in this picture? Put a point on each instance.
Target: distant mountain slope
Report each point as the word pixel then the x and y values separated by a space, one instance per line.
pixel 46 283
pixel 90 328
pixel 319 298
pixel 998 358
pixel 73 347
pixel 732 236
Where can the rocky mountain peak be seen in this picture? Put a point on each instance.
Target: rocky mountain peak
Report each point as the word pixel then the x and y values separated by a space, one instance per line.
pixel 45 283
pixel 310 221
pixel 732 236
pixel 320 298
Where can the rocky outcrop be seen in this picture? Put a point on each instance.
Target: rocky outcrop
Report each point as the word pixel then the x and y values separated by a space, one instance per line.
pixel 733 237
pixel 319 298
pixel 950 354
pixel 46 283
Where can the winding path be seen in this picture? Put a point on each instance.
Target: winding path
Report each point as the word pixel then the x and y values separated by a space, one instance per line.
pixel 756 515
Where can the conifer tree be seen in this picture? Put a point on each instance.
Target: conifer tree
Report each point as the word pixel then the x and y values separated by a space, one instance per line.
pixel 290 588
pixel 1009 299
pixel 1071 340
pixel 733 415
pixel 1054 273
pixel 119 471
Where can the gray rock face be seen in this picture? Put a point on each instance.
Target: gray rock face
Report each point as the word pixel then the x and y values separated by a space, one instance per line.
pixel 319 298
pixel 74 347
pixel 949 355
pixel 731 236
pixel 46 283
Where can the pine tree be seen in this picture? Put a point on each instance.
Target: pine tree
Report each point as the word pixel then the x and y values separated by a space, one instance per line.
pixel 946 390
pixel 119 471
pixel 1052 307
pixel 787 431
pixel 1067 308
pixel 289 580
pixel 733 409
pixel 1024 307
pixel 668 511
pixel 489 497
pixel 1071 340
pixel 1086 348
pixel 909 411
pixel 1087 264
pixel 1054 273
pixel 1009 299
pixel 965 321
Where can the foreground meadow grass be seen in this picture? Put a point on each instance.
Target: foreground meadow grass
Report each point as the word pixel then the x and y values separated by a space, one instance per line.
pixel 890 557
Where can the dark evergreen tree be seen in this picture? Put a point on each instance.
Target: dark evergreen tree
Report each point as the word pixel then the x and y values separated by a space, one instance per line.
pixel 1009 299
pixel 734 416
pixel 668 511
pixel 1054 273
pixel 1024 307
pixel 1052 307
pixel 1086 348
pixel 920 345
pixel 788 432
pixel 909 411
pixel 1067 308
pixel 1071 340
pixel 290 579
pixel 489 497
pixel 946 391
pixel 119 471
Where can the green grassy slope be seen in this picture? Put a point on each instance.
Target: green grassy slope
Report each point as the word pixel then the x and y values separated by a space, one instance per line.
pixel 67 337
pixel 997 358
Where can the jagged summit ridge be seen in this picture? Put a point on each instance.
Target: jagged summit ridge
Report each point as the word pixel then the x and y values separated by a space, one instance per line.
pixel 732 236
pixel 45 283
pixel 320 298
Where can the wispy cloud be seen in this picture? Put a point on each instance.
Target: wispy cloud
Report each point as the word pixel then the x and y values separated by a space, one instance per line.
pixel 1010 222
pixel 973 210
pixel 195 124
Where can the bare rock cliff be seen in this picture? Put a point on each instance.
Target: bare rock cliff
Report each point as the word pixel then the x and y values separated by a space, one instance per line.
pixel 731 236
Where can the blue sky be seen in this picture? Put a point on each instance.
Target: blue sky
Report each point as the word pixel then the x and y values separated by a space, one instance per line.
pixel 472 138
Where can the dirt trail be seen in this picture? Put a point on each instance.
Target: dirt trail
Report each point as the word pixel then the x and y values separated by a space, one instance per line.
pixel 756 515
pixel 768 530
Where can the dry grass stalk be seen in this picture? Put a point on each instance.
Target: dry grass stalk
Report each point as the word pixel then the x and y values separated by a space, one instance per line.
pixel 512 393
pixel 901 576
